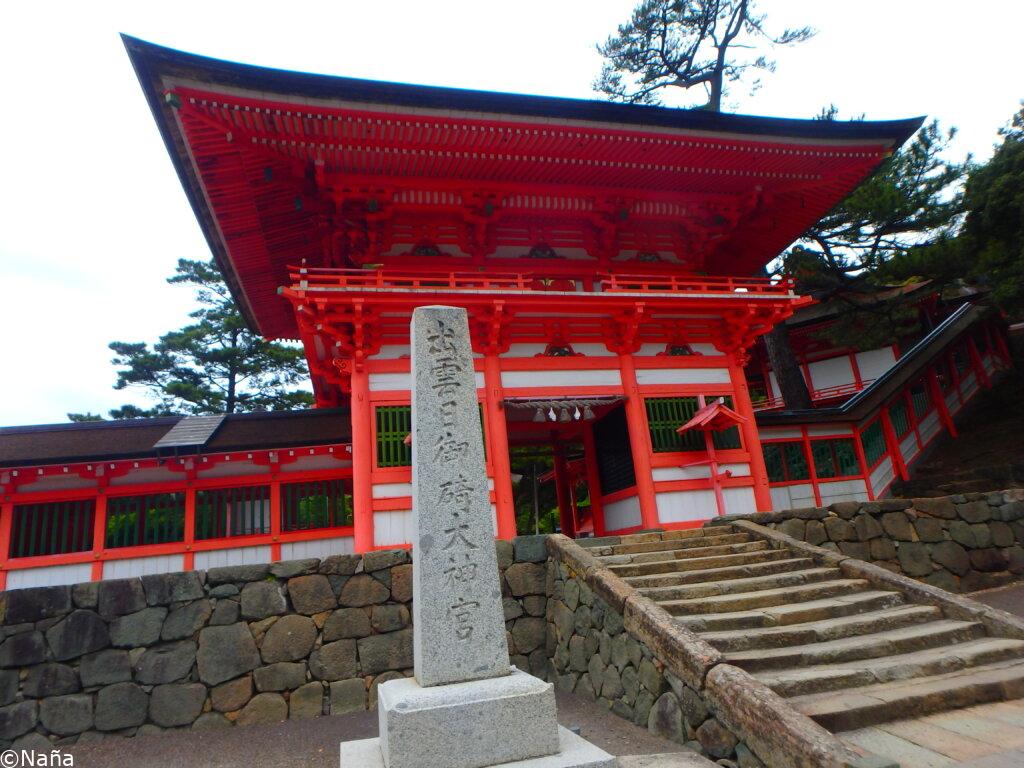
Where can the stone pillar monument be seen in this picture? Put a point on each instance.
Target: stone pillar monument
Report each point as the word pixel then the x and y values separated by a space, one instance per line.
pixel 466 707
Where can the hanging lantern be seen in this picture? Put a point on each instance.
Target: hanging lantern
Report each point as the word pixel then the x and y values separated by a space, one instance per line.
pixel 564 416
pixel 538 415
pixel 588 414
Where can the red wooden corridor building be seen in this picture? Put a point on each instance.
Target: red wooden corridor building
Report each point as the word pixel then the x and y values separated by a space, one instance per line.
pixel 604 254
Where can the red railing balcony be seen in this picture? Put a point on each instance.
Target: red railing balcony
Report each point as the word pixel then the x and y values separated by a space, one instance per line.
pixel 817 395
pixel 326 279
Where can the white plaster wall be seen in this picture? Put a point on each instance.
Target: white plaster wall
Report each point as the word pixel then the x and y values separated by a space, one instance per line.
pixel 402 382
pixel 874 362
pixel 541 379
pixel 50 576
pixel 392 528
pixel 624 513
pixel 908 446
pixel 778 433
pixel 833 372
pixel 218 558
pixel 882 476
pixel 142 566
pixel 321 548
pixel 682 375
pixel 818 430
pixel 524 350
pixel 391 490
pixel 842 490
pixel 684 506
pixel 391 352
pixel 699 471
pixel 929 426
pixel 739 501
pixel 793 496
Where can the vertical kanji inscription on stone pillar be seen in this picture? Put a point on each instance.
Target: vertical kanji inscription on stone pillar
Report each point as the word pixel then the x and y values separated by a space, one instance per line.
pixel 458 622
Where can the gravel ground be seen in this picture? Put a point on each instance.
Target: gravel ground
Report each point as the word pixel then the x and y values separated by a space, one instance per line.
pixel 314 743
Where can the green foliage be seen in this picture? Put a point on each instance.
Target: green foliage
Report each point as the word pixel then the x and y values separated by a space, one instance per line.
pixel 213 365
pixel 993 231
pixel 687 43
pixel 905 214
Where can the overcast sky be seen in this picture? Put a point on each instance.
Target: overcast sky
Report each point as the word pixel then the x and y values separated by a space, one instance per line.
pixel 93 218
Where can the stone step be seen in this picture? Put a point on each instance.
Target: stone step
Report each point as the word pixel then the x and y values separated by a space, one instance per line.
pixel 822 631
pixel 697 542
pixel 761 566
pixel 869 646
pixel 855 708
pixel 905 666
pixel 670 564
pixel 746 601
pixel 742 586
pixel 799 613
pixel 602 545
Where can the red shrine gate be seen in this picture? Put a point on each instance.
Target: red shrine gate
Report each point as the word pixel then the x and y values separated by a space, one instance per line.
pixel 602 250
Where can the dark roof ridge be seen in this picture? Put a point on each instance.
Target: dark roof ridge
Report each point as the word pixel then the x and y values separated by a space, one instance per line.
pixel 145 55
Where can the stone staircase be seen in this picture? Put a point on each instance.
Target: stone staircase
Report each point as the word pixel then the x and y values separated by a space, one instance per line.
pixel 843 652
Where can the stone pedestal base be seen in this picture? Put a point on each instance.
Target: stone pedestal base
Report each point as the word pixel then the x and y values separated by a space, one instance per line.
pixel 573 752
pixel 466 725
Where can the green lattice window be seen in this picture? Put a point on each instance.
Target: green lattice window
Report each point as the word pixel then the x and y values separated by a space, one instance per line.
pixel 394 423
pixel 155 518
pixel 921 399
pixel 316 504
pixel 52 528
pixel 243 511
pixel 899 417
pixel 872 439
pixel 785 462
pixel 834 458
pixel 666 414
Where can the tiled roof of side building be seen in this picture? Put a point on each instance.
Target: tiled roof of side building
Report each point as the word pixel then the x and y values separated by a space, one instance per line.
pixel 137 438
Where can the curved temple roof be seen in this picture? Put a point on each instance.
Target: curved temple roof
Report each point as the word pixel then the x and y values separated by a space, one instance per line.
pixel 270 158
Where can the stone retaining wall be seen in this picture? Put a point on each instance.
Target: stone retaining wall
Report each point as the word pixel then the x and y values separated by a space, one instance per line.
pixel 959 543
pixel 611 645
pixel 242 644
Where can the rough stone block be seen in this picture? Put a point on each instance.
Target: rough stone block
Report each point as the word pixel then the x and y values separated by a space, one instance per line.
pixel 263 708
pixel 232 695
pixel 334 661
pixel 378 653
pixel 121 705
pixel 173 705
pixel 288 569
pixel 105 667
pixel 50 680
pixel 307 701
pixel 500 720
pixel 22 649
pixel 120 596
pixel 167 588
pixel 186 620
pixel 289 639
pixel 566 551
pixel 938 507
pixel 138 629
pixel 346 623
pixel 67 715
pixel 166 663
pixel 311 594
pixel 225 653
pixel 17 719
pixel 19 606
pixel 530 549
pixel 361 590
pixel 232 574
pixel 261 599
pixel 81 632
pixel 282 676
pixel 348 696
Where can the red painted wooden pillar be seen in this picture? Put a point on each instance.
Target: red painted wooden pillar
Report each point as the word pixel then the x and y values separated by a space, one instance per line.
pixel 593 479
pixel 562 491
pixel 639 443
pixel 894 445
pixel 99 535
pixel 275 520
pixel 940 403
pixel 6 521
pixel 812 470
pixel 497 432
pixel 362 461
pixel 751 439
pixel 862 459
pixel 979 366
pixel 188 559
